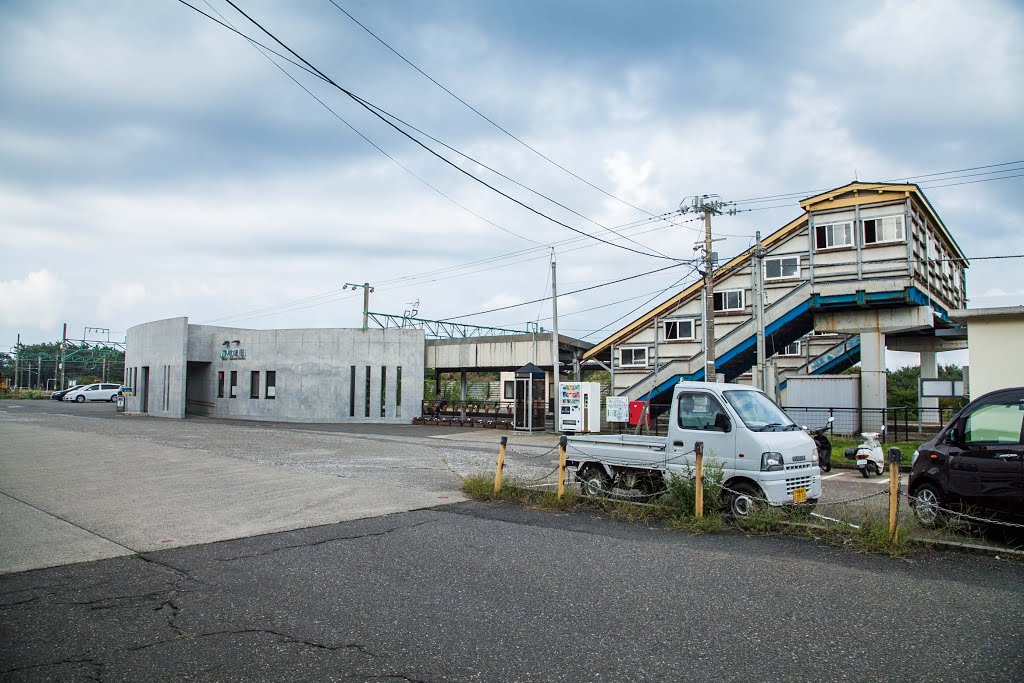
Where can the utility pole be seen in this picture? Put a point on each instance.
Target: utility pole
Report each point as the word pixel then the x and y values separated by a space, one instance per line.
pixel 554 335
pixel 707 204
pixel 17 361
pixel 63 355
pixel 757 262
pixel 366 300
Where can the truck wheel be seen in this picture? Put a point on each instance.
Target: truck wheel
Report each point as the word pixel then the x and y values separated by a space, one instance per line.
pixel 594 481
pixel 745 500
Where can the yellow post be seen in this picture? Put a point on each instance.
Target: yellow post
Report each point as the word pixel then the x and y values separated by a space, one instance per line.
pixel 501 464
pixel 561 466
pixel 698 496
pixel 894 488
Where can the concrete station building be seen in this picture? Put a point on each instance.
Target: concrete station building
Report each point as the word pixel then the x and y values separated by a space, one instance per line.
pixel 301 375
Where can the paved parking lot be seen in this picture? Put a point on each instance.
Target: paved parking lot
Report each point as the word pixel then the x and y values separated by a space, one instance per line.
pixel 210 550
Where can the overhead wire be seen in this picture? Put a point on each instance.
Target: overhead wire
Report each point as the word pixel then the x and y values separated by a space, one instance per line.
pixel 484 116
pixel 387 117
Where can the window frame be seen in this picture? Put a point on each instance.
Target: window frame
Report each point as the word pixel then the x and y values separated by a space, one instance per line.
pixel 799 350
pixel 795 276
pixel 724 293
pixel 633 349
pixel 233 384
pixel 713 402
pixel 254 384
pixel 676 321
pixel 271 383
pixel 832 225
pixel 897 240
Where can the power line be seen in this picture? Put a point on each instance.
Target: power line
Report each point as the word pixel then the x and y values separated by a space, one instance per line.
pixel 385 116
pixel 484 116
pixel 575 291
pixel 646 303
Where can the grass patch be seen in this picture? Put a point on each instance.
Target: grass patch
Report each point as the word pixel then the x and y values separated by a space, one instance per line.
pixel 674 509
pixel 24 394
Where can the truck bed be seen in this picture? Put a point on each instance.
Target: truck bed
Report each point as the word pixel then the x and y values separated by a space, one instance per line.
pixel 619 449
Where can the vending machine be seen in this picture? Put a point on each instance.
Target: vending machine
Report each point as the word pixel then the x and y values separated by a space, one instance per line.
pixel 579 407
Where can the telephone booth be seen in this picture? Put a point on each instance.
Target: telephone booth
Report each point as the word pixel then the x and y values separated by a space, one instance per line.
pixel 529 399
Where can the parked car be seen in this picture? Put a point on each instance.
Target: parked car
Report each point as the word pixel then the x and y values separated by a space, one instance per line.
pixel 93 392
pixel 61 393
pixel 975 465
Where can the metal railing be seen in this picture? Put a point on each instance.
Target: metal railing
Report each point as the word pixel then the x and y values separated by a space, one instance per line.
pixel 483 409
pixel 901 423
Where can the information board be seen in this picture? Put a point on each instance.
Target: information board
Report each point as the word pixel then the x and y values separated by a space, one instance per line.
pixel 617 409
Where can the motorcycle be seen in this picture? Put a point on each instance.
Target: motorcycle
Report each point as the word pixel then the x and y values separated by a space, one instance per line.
pixel 823 444
pixel 869 456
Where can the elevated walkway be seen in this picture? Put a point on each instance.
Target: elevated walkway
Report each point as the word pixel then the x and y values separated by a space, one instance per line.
pixel 787 320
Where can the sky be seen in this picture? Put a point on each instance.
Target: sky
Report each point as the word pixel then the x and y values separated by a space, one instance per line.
pixel 154 164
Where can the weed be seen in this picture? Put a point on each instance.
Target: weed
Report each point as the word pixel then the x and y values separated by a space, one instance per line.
pixel 681 491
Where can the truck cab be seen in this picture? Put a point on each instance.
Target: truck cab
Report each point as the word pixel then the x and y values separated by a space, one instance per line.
pixel 764 455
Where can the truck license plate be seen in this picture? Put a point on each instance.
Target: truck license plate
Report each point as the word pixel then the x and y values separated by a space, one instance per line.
pixel 800 495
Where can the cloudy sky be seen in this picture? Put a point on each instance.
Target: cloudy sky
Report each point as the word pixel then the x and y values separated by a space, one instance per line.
pixel 154 164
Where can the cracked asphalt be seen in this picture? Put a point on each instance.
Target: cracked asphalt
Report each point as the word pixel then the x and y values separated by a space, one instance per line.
pixel 474 592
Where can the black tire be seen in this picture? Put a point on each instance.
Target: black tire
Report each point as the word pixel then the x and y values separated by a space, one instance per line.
pixel 827 467
pixel 864 471
pixel 80 398
pixel 113 399
pixel 594 481
pixel 743 499
pixel 926 501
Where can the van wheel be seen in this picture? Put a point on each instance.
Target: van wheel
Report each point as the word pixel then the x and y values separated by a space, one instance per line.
pixel 594 481
pixel 744 500
pixel 926 502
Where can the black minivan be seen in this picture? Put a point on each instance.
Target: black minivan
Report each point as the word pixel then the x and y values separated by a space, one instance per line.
pixel 975 465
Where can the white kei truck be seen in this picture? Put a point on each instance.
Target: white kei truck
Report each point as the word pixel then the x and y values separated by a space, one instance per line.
pixel 763 453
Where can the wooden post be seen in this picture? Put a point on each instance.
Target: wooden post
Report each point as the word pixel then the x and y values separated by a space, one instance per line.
pixel 561 466
pixel 894 489
pixel 501 464
pixel 698 482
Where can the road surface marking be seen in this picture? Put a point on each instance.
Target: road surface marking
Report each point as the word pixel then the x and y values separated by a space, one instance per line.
pixel 831 476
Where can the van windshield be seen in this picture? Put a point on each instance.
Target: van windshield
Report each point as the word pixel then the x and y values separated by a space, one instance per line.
pixel 759 412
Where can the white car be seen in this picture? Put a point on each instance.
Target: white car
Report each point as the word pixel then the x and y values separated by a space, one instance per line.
pixel 93 392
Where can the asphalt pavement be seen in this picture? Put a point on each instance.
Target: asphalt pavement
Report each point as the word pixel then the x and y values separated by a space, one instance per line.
pixel 472 592
pixel 353 590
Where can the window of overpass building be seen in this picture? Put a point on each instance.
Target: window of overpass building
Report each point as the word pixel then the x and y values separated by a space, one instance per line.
pixel 833 235
pixel 271 384
pixel 233 386
pixel 220 384
pixel 254 384
pixel 886 229
pixel 633 356
pixel 729 300
pixel 383 390
pixel 677 330
pixel 781 268
pixel 791 349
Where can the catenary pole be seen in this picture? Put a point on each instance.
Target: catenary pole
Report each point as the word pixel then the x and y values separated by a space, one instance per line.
pixel 554 339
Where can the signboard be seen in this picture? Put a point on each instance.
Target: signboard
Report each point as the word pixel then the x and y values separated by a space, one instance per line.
pixel 941 388
pixel 616 409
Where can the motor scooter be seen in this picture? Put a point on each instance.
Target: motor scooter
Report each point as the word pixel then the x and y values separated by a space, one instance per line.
pixel 869 456
pixel 823 444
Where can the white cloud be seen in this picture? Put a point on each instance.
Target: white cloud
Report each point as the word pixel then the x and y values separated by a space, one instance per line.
pixel 941 57
pixel 121 298
pixel 38 300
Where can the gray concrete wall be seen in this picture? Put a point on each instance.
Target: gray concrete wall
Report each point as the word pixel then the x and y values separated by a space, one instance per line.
pixel 160 346
pixel 313 373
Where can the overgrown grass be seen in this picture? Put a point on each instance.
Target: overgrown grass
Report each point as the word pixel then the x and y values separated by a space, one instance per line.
pixel 675 510
pixel 26 394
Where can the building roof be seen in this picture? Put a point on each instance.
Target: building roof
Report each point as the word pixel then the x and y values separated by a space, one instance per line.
pixel 848 195
pixel 969 315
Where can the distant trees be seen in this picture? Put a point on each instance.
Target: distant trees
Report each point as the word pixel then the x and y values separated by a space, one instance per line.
pixel 903 383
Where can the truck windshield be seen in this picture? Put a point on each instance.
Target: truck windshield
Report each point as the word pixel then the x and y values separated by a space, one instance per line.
pixel 758 412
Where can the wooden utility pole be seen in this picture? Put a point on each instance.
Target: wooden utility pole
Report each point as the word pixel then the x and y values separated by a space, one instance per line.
pixel 707 204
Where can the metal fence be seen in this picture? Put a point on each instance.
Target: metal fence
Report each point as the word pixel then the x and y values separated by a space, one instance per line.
pixel 901 423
